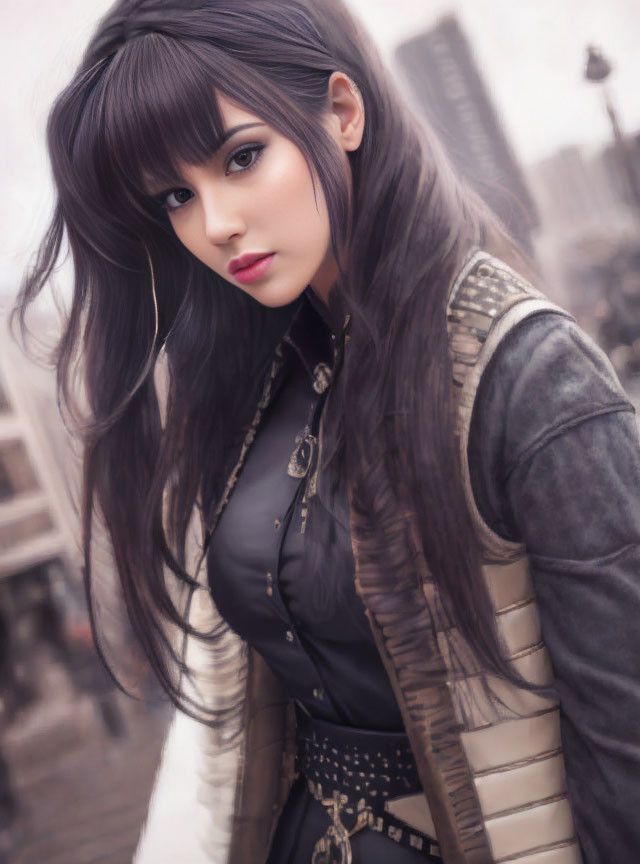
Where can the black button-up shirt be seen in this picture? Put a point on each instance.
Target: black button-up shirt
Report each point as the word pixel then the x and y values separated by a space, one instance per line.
pixel 317 641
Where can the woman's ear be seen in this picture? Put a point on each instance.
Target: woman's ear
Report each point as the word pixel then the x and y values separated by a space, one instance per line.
pixel 346 111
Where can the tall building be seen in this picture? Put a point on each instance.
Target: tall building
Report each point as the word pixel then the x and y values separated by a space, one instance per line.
pixel 34 522
pixel 448 89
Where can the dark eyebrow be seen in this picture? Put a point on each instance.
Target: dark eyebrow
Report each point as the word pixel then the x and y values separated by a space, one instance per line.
pixel 234 130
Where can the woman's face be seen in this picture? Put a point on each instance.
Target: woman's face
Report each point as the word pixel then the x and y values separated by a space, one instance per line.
pixel 255 198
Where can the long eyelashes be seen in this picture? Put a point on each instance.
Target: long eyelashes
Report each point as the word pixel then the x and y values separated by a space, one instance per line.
pixel 241 151
pixel 165 199
pixel 173 199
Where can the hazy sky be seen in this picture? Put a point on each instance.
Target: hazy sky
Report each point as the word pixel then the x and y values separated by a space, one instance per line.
pixel 531 52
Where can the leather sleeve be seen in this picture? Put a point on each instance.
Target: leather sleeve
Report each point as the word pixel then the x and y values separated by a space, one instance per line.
pixel 554 454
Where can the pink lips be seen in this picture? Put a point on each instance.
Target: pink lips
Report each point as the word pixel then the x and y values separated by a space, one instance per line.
pixel 248 268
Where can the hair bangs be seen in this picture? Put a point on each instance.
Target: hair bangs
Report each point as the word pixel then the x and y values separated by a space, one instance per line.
pixel 160 110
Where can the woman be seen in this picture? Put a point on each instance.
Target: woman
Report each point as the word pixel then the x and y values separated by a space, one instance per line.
pixel 252 207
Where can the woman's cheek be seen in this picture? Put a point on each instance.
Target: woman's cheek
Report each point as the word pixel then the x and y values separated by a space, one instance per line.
pixel 191 235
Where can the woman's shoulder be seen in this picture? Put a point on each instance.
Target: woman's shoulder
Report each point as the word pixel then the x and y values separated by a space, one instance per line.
pixel 545 373
pixel 546 379
pixel 529 353
pixel 529 376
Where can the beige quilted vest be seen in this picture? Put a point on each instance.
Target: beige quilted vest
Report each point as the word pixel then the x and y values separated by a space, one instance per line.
pixel 516 762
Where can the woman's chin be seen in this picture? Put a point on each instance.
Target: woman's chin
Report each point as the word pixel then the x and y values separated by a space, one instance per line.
pixel 274 296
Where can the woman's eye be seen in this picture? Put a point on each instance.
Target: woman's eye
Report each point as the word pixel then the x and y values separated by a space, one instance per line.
pixel 176 198
pixel 244 158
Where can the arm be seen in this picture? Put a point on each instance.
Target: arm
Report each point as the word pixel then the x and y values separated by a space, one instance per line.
pixel 555 460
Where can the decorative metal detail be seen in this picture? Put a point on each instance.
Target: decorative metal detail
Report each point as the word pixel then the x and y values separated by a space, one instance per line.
pixel 302 457
pixel 334 847
pixel 321 377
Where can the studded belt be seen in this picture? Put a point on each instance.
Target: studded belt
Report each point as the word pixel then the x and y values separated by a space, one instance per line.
pixel 362 777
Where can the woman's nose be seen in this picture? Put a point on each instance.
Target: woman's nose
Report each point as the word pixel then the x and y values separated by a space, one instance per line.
pixel 222 221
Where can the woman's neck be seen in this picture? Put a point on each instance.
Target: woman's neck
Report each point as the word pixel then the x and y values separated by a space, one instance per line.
pixel 322 308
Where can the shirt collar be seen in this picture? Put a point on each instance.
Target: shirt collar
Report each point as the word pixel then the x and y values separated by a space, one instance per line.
pixel 309 336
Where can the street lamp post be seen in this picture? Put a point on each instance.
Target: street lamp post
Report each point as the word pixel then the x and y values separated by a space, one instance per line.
pixel 597 71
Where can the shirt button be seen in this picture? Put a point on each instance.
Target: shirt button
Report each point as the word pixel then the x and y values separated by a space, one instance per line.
pixel 289 636
pixel 318 694
pixel 276 523
pixel 269 585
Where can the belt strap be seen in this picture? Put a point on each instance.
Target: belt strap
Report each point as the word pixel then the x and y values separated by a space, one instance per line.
pixel 361 777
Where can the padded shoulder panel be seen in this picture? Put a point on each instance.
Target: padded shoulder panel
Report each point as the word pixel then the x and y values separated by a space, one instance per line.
pixel 488 299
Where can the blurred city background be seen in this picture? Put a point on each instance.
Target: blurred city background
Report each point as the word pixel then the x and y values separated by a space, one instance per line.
pixel 537 105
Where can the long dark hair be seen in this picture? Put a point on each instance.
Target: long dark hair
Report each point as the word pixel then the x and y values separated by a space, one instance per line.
pixel 143 101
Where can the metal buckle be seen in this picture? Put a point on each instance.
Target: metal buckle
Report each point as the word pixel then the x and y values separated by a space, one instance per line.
pixel 334 847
